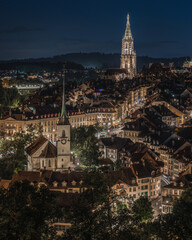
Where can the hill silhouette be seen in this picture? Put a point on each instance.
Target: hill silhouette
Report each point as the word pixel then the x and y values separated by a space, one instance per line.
pixel 86 60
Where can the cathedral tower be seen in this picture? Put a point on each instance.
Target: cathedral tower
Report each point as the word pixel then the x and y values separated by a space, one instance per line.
pixel 63 136
pixel 128 55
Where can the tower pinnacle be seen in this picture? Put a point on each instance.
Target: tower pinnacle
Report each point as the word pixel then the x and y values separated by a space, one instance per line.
pixel 128 33
pixel 63 119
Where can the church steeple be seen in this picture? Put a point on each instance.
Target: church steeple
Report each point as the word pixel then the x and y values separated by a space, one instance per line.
pixel 63 119
pixel 128 55
pixel 63 136
pixel 128 29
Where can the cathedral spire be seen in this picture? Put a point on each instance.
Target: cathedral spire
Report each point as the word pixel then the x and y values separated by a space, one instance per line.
pixel 128 33
pixel 128 55
pixel 63 119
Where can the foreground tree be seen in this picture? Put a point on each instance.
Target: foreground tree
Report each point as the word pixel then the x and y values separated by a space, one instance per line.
pixel 142 209
pixel 13 151
pixel 178 224
pixel 101 214
pixel 27 212
pixel 85 145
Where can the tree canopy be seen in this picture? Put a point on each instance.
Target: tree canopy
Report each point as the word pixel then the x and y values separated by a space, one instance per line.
pixel 178 224
pixel 85 145
pixel 27 212
pixel 13 151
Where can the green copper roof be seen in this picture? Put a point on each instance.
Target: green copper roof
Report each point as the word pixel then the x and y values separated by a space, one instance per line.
pixel 63 119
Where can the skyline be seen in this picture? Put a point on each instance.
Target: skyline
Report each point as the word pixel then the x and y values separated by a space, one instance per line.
pixel 50 29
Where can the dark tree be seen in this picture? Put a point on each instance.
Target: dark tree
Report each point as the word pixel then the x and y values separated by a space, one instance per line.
pixel 142 209
pixel 27 212
pixel 178 224
pixel 13 151
pixel 85 145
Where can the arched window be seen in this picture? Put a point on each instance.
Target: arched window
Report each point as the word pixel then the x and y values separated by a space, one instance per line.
pixel 63 133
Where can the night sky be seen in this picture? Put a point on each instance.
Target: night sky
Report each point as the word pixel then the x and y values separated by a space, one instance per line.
pixel 44 28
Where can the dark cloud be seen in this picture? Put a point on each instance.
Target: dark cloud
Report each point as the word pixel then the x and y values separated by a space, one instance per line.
pixel 21 29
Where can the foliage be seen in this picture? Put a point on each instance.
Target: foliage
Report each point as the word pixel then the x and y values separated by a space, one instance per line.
pixel 178 224
pixel 27 212
pixel 95 215
pixel 142 209
pixel 13 151
pixel 85 145
pixel 11 98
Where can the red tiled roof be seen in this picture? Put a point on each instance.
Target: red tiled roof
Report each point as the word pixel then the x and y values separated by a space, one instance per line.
pixel 4 183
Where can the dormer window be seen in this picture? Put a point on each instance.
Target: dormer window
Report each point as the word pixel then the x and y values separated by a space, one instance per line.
pixel 133 181
pixel 81 182
pixel 64 184
pixel 55 184
pixel 181 184
pixel 73 183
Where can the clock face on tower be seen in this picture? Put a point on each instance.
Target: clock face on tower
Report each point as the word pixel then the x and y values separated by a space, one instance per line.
pixel 64 141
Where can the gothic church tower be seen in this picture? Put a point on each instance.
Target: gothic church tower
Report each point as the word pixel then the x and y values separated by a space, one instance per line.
pixel 128 55
pixel 63 137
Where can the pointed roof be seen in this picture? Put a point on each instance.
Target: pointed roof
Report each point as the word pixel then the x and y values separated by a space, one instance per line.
pixel 63 119
pixel 30 150
pixel 128 33
pixel 50 151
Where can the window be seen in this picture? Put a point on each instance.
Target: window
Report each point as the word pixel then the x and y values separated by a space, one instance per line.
pixel 134 189
pixel 49 163
pixel 42 163
pixel 130 189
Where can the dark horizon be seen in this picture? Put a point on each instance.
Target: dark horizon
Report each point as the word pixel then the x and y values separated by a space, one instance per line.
pixel 75 53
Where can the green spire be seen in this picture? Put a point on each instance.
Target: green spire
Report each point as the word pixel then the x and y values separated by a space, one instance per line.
pixel 63 118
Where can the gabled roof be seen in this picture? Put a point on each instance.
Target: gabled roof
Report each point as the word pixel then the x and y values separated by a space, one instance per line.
pixel 50 151
pixel 125 175
pixel 115 143
pixel 32 176
pixel 60 177
pixel 36 145
pixel 142 171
